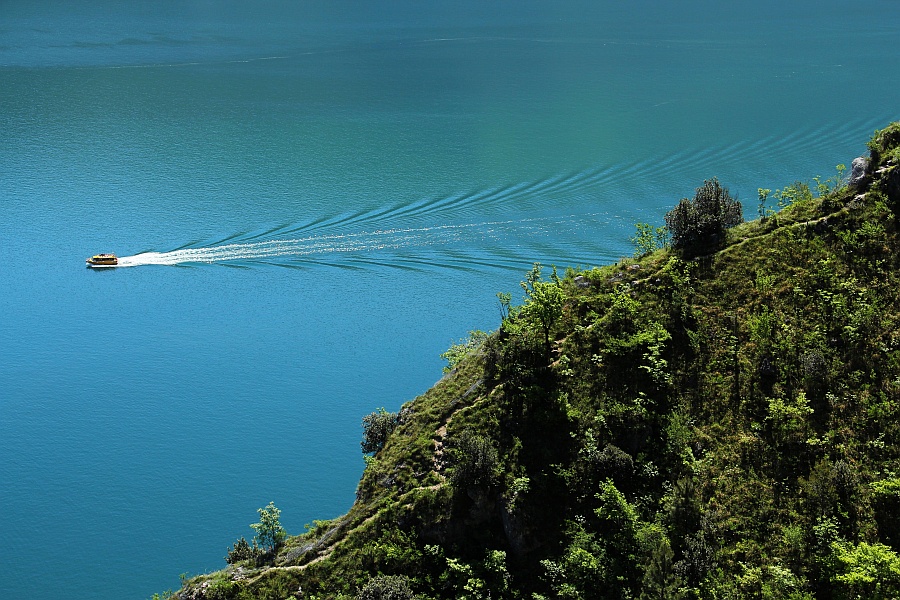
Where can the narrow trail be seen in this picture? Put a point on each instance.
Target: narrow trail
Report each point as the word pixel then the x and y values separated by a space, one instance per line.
pixel 439 437
pixel 750 238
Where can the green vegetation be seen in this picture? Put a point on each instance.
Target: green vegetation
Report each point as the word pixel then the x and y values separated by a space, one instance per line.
pixel 648 239
pixel 386 587
pixel 270 535
pixel 269 532
pixel 718 419
pixel 458 351
pixel 377 426
pixel 699 225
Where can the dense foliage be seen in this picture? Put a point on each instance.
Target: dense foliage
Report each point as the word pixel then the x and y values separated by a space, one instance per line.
pixel 679 426
pixel 377 426
pixel 386 587
pixel 699 225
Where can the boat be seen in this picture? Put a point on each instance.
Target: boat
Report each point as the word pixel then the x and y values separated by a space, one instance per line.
pixel 102 260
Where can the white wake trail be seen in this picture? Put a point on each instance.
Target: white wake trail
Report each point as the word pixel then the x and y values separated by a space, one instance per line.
pixel 317 245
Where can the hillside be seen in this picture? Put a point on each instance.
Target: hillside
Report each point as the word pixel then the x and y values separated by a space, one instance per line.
pixel 719 421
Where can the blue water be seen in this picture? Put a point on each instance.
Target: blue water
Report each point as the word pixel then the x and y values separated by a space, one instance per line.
pixel 316 198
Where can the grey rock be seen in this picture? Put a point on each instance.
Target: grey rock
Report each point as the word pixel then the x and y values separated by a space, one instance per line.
pixel 858 169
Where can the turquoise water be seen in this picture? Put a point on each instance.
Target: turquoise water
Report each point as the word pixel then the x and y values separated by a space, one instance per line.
pixel 316 199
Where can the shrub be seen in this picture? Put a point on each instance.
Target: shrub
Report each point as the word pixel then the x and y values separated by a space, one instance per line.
pixel 474 461
pixel 648 239
pixel 867 570
pixel 386 587
pixel 457 352
pixel 699 224
pixel 243 550
pixel 377 426
pixel 885 143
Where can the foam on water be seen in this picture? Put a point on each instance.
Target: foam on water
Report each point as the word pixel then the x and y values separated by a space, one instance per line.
pixel 359 243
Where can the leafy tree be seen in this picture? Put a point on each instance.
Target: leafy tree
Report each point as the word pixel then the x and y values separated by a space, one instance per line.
pixel 504 299
pixel 796 193
pixel 478 581
pixel 867 570
pixel 457 352
pixel 832 492
pixel 581 572
pixel 647 239
pixel 699 559
pixel 699 225
pixel 764 212
pixel 377 426
pixel 789 418
pixel 618 523
pixel 269 532
pixel 543 301
pixel 615 463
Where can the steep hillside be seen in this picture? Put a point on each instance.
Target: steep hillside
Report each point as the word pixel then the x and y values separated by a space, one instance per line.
pixel 720 421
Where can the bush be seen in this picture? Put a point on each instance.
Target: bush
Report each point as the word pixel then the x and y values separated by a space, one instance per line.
pixel 386 587
pixel 885 144
pixel 243 550
pixel 457 352
pixel 698 225
pixel 377 426
pixel 474 461
pixel 886 506
pixel 867 570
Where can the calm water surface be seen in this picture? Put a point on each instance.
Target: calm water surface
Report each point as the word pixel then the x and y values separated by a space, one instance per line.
pixel 316 199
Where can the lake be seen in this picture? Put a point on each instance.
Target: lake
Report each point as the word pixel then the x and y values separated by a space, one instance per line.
pixel 314 200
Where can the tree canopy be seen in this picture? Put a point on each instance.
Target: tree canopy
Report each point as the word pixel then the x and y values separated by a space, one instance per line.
pixel 699 224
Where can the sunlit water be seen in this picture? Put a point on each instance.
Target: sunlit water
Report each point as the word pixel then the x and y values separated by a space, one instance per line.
pixel 315 199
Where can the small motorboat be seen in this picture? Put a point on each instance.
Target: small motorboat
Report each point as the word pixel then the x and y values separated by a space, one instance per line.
pixel 102 260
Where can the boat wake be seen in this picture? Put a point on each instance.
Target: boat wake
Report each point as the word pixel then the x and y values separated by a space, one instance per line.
pixel 486 227
pixel 492 243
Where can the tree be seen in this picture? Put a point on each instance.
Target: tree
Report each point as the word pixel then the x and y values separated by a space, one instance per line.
pixel 377 426
pixel 543 301
pixel 457 352
pixel 269 532
pixel 867 570
pixel 648 239
pixel 699 225
pixel 659 582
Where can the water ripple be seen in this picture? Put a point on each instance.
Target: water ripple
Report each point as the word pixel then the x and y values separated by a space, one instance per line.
pixel 467 229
